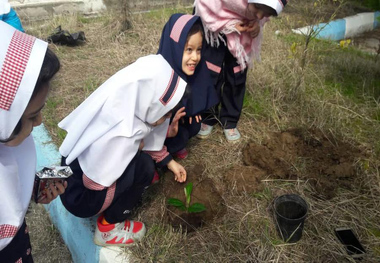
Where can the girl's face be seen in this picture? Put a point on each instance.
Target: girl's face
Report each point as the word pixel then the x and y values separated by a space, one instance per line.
pixel 192 53
pixel 31 117
pixel 259 11
pixel 162 119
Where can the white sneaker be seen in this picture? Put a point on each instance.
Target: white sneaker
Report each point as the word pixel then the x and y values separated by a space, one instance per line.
pixel 205 131
pixel 119 234
pixel 232 134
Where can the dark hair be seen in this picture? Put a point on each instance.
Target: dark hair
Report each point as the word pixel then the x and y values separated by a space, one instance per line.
pixel 49 68
pixel 197 27
pixel 267 9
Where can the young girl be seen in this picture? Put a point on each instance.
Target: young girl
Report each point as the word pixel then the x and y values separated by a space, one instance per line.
pixel 233 32
pixel 26 67
pixel 130 112
pixel 183 34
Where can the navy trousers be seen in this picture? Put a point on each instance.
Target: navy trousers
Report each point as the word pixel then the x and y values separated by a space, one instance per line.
pixel 230 86
pixel 84 202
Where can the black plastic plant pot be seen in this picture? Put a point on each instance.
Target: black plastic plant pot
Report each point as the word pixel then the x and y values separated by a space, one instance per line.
pixel 290 214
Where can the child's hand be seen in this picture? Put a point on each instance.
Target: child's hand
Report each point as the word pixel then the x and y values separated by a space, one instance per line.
pixel 253 28
pixel 178 170
pixel 173 128
pixel 52 192
pixel 197 118
pixel 241 26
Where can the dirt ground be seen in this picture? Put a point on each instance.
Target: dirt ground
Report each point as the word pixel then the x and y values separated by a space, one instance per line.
pixel 223 182
pixel 327 163
pixel 204 192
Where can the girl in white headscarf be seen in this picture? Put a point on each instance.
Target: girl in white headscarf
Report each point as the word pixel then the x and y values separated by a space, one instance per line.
pixel 26 67
pixel 128 113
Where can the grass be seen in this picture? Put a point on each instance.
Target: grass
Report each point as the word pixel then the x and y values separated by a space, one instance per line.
pixel 338 91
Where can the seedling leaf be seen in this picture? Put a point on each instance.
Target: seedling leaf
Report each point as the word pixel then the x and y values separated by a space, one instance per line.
pixel 196 208
pixel 188 189
pixel 175 202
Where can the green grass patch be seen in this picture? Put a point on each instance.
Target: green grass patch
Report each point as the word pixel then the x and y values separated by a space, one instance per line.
pixel 372 4
pixel 256 106
pixel 166 12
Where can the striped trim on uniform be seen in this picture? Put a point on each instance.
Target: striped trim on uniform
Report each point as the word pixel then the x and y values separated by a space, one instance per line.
pixel 213 67
pixel 237 69
pixel 8 231
pixel 170 89
pixel 109 197
pixel 89 184
pixel 178 27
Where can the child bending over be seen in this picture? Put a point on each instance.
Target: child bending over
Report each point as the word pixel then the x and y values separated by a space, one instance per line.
pixel 108 136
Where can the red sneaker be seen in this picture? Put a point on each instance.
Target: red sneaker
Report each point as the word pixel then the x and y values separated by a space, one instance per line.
pixel 182 154
pixel 119 234
pixel 156 178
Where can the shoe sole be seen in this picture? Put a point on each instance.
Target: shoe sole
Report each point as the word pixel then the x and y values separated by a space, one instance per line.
pixel 203 136
pixel 233 141
pixel 99 243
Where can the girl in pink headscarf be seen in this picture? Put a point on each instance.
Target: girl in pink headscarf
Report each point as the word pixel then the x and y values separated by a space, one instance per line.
pixel 233 32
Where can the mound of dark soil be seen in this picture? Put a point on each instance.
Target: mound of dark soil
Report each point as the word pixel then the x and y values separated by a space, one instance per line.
pixel 204 192
pixel 306 154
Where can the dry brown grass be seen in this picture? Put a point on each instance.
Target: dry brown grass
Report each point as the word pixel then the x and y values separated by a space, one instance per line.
pixel 47 244
pixel 246 232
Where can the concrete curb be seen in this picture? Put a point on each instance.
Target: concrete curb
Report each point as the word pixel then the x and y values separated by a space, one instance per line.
pixel 76 232
pixel 343 28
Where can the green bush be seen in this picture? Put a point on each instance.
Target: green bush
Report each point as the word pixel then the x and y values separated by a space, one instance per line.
pixel 373 4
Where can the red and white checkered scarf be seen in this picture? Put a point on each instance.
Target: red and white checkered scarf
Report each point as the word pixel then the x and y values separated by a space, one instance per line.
pixel 220 17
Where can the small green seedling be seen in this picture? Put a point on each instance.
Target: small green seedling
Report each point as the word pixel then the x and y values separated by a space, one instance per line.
pixel 194 208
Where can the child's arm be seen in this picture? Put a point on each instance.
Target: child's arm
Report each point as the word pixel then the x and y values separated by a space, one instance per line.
pixel 163 158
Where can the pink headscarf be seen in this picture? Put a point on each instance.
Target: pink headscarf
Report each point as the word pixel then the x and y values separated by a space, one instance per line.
pixel 220 17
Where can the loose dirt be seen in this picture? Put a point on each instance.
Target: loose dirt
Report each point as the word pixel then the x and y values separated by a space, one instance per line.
pixel 309 155
pixel 204 192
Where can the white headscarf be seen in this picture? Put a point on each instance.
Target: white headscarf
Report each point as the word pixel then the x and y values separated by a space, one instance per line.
pixel 105 131
pixel 277 5
pixel 21 58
